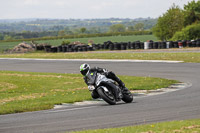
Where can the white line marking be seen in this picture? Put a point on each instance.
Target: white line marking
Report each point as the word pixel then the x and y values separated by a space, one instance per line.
pixel 64 110
pixel 99 60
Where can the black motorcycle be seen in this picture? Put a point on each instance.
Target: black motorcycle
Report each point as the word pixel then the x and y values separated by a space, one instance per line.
pixel 107 89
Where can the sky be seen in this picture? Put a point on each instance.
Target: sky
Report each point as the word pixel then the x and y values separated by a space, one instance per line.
pixel 85 9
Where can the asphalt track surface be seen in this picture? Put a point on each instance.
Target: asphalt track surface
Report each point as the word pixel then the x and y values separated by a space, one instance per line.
pixel 179 105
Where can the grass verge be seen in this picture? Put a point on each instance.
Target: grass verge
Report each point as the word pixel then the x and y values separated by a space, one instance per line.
pixel 186 126
pixel 27 91
pixel 192 57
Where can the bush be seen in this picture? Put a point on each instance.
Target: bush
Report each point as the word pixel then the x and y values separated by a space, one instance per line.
pixel 65 42
pixel 191 32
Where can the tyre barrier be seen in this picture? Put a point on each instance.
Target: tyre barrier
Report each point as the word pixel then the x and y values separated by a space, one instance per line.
pixel 175 44
pixel 198 43
pixel 121 46
pixel 193 43
pixel 163 45
pixel 137 45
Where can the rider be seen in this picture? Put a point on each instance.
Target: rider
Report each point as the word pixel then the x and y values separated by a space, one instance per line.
pixel 85 68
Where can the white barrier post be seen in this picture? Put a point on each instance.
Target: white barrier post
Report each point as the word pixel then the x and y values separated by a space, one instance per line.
pixel 146 45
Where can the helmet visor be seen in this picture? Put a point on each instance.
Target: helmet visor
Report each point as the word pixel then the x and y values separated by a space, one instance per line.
pixel 84 72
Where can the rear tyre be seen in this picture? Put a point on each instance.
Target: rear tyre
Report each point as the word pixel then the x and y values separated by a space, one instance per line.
pixel 106 96
pixel 127 97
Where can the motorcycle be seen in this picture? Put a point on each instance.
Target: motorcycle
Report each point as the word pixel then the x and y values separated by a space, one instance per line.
pixel 107 89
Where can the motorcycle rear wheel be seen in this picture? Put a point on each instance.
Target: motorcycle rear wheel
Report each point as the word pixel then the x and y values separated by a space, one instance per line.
pixel 109 98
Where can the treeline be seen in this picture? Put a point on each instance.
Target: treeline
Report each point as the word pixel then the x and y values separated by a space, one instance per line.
pixel 179 24
pixel 39 25
pixel 39 28
pixel 115 29
pixel 26 35
pixel 83 36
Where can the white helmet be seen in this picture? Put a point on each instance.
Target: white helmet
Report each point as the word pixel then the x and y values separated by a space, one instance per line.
pixel 84 68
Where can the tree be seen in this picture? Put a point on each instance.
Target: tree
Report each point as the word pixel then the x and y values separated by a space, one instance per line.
pixel 83 29
pixel 7 37
pixel 139 27
pixel 1 36
pixel 131 28
pixel 61 33
pixel 169 23
pixel 117 28
pixel 191 12
pixel 190 32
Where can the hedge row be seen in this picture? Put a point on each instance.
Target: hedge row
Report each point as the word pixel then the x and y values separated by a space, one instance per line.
pixel 83 36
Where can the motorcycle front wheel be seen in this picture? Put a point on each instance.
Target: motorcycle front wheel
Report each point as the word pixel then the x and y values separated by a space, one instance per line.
pixel 127 97
pixel 106 96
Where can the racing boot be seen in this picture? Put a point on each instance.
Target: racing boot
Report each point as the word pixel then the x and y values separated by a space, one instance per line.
pixel 121 84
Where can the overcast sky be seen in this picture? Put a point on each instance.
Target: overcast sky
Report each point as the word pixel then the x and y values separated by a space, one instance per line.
pixel 15 9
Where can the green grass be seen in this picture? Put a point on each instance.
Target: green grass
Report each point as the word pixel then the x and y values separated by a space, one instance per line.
pixel 186 57
pixel 7 45
pixel 186 126
pixel 27 91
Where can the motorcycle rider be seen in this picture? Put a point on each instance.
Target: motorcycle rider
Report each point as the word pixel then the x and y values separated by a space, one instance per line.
pixel 85 68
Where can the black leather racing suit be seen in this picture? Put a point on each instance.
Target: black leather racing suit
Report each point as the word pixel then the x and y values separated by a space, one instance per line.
pixel 108 74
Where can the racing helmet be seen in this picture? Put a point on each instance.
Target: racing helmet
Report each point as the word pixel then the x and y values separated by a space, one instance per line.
pixel 84 68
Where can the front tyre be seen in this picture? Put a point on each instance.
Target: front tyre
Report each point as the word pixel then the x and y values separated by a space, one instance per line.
pixel 127 97
pixel 106 96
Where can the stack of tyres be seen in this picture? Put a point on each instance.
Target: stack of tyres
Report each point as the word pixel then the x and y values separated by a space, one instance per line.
pixel 129 45
pixel 90 48
pixel 198 43
pixel 102 46
pixel 180 44
pixel 123 46
pixel 159 45
pixel 48 48
pixel 193 43
pixel 184 42
pixel 137 45
pixel 98 46
pixel 39 47
pixel 84 48
pixel 117 46
pixel 70 48
pixel 94 46
pixel 54 49
pixel 107 44
pixel 60 48
pixel 170 44
pixel 79 49
pixel 75 48
pixel 176 44
pixel 163 45
pixel 132 45
pixel 141 45
pixel 111 46
pixel 155 45
pixel 151 45
pixel 64 48
pixel 189 44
